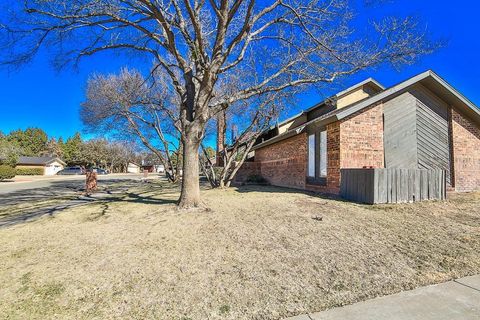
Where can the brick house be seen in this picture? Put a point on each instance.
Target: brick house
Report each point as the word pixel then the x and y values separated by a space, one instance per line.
pixel 422 123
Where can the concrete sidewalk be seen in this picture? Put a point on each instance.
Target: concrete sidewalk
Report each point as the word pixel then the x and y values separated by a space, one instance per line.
pixel 453 300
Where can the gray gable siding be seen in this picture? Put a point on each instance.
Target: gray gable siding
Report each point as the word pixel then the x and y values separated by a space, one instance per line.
pixel 416 131
pixel 432 131
pixel 400 137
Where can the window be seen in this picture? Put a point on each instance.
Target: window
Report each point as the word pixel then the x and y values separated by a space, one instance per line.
pixel 317 158
pixel 323 154
pixel 311 155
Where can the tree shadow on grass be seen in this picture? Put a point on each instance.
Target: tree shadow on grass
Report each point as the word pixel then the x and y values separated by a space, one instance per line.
pixel 132 197
pixel 113 190
pixel 58 189
pixel 54 189
pixel 279 190
pixel 32 215
pixel 274 189
pixel 129 197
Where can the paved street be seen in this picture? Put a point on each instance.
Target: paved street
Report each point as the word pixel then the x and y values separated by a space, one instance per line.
pixel 27 198
pixel 38 188
pixel 453 300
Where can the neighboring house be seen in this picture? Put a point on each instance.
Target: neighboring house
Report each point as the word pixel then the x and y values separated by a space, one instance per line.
pixel 159 168
pixel 422 122
pixel 133 168
pixel 49 165
pixel 156 168
pixel 152 167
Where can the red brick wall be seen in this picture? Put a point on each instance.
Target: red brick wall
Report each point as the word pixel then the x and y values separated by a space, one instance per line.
pixel 357 142
pixel 361 139
pixel 351 143
pixel 333 161
pixel 466 153
pixel 333 157
pixel 246 170
pixel 354 142
pixel 285 163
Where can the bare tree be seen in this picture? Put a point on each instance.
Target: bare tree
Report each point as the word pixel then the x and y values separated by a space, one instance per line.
pixel 125 106
pixel 52 149
pixel 275 46
pixel 252 117
pixel 95 152
pixel 119 154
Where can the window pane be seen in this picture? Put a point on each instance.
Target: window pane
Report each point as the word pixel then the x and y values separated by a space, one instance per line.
pixel 311 155
pixel 323 154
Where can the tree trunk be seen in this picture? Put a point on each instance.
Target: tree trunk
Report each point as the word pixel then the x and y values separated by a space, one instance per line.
pixel 221 137
pixel 190 195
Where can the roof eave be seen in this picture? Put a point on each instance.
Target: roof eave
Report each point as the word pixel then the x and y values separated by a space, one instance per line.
pixel 296 131
pixel 273 140
pixel 349 110
pixel 359 85
pixel 471 106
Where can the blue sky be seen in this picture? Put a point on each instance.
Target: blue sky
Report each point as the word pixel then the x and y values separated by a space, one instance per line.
pixel 36 95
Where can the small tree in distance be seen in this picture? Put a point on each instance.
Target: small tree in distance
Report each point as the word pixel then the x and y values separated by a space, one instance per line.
pixel 9 152
pixel 72 150
pixel 198 46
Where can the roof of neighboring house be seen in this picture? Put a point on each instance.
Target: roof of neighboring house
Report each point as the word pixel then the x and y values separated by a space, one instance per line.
pixel 429 79
pixel 38 160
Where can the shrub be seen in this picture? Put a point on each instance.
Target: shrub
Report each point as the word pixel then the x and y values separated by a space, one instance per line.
pixel 29 171
pixel 255 178
pixel 6 172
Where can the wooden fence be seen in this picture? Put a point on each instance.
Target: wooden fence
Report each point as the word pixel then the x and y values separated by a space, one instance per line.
pixel 392 185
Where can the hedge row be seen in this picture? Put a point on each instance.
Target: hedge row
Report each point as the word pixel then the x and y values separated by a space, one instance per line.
pixel 6 172
pixel 29 171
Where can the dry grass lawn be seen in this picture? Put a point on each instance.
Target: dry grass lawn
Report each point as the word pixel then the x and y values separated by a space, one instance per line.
pixel 259 253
